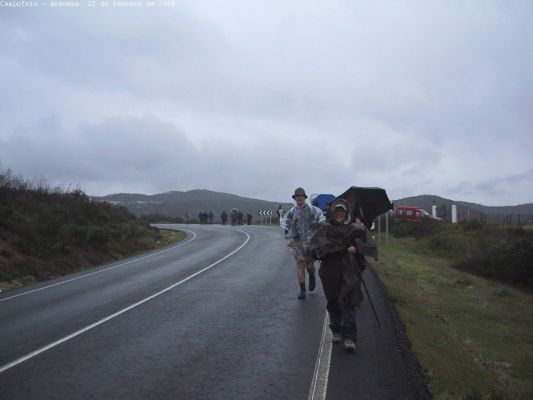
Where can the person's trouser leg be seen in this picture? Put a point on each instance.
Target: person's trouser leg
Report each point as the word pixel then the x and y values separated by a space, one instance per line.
pixel 300 272
pixel 310 266
pixel 348 322
pixel 330 278
pixel 335 315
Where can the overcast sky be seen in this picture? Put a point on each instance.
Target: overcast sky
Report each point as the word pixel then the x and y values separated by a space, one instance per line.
pixel 256 98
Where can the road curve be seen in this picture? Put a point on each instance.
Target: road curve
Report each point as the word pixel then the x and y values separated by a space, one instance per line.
pixel 215 317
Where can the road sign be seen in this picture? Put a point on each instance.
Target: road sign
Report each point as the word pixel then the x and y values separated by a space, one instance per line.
pixel 264 215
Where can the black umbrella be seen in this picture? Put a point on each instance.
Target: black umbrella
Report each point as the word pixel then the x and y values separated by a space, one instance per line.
pixel 367 202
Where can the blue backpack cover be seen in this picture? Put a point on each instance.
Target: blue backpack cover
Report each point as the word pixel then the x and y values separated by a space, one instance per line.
pixel 322 201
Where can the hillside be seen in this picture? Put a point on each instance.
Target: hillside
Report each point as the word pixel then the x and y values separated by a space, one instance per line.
pixel 48 232
pixel 176 204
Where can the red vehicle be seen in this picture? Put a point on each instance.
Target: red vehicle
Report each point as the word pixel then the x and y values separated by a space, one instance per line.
pixel 413 213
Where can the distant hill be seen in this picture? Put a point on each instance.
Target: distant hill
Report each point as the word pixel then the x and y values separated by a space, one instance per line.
pixel 469 210
pixel 177 204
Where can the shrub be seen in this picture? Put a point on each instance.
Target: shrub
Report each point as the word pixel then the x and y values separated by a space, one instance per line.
pixel 50 231
pixel 495 252
pixel 471 225
pixel 507 258
pixel 446 243
pixel 75 234
pixel 417 229
pixel 98 236
pixel 160 218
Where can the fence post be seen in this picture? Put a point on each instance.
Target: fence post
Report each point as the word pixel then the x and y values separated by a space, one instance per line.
pixel 454 214
pixel 387 228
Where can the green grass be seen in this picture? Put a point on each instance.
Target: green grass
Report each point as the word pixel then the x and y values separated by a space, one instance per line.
pixel 502 253
pixel 168 236
pixel 473 337
pixel 78 262
pixel 47 232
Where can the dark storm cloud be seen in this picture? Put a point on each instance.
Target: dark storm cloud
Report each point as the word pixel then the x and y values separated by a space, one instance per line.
pixel 259 98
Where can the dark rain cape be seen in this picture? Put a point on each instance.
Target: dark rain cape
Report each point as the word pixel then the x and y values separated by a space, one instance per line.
pixel 330 243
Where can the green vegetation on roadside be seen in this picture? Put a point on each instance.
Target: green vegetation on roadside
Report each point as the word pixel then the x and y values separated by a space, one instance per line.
pixel 169 236
pixel 472 336
pixel 47 232
pixel 501 253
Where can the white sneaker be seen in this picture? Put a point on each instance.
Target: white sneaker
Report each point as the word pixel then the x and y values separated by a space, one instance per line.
pixel 349 345
pixel 336 338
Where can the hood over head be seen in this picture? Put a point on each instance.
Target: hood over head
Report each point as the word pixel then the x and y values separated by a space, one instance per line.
pixel 340 203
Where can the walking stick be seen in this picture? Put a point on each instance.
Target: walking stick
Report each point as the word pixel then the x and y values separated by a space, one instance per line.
pixel 356 266
pixel 368 295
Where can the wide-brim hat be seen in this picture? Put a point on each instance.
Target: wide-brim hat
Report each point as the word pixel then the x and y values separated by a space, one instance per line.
pixel 299 192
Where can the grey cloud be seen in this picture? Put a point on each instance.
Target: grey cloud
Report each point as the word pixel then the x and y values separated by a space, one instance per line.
pixel 249 97
pixel 504 187
pixel 142 154
pixel 505 184
pixel 145 54
pixel 148 155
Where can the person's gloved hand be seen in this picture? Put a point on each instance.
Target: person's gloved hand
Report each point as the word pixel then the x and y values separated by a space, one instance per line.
pixel 352 249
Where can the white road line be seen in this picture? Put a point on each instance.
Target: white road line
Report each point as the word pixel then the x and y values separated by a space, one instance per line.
pixel 102 270
pixel 100 322
pixel 319 385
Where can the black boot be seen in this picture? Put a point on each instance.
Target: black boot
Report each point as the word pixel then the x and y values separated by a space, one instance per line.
pixel 312 282
pixel 301 295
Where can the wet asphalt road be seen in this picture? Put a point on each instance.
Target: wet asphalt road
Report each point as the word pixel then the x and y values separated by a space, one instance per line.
pixel 146 328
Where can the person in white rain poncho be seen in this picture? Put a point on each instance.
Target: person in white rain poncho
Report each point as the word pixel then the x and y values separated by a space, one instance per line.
pixel 300 223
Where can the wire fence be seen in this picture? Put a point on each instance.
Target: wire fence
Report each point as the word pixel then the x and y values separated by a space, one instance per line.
pixel 518 220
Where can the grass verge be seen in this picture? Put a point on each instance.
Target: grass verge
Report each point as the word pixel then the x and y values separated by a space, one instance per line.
pixel 169 236
pixel 165 237
pixel 473 337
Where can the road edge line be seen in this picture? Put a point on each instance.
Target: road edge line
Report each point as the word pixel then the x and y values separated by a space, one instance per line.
pixel 103 320
pixel 100 271
pixel 319 384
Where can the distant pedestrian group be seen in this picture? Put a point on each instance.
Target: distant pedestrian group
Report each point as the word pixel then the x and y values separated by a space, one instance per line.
pixel 206 217
pixel 224 217
pixel 236 216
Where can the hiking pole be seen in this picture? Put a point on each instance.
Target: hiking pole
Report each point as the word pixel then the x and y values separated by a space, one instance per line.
pixel 366 289
pixel 369 299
